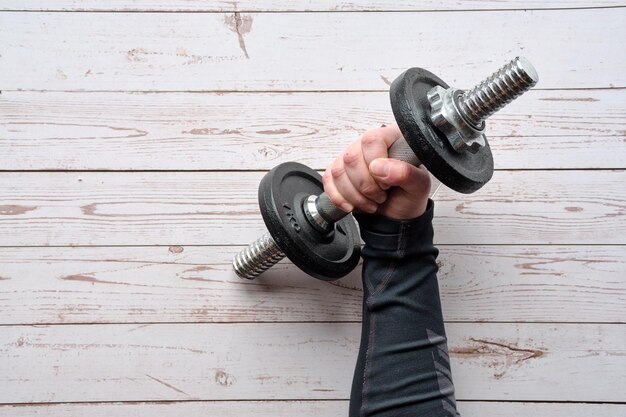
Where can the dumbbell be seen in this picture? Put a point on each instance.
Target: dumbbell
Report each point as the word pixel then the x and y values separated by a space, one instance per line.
pixel 442 128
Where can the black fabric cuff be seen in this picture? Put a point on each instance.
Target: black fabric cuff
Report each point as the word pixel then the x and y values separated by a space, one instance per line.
pixel 385 234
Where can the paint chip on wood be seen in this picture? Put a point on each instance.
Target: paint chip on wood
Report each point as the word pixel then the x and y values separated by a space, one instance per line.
pixel 224 379
pixel 501 356
pixel 274 132
pixel 176 249
pixel 136 54
pixel 240 24
pixel 14 210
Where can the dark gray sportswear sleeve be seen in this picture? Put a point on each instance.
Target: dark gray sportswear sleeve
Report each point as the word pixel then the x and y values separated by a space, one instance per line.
pixel 403 368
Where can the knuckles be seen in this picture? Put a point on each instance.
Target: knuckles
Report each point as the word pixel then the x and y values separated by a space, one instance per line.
pixel 326 176
pixel 350 158
pixel 369 190
pixel 337 171
pixel 370 138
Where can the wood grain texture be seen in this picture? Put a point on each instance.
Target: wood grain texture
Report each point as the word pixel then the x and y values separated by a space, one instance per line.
pixel 295 361
pixel 235 87
pixel 129 131
pixel 196 284
pixel 196 208
pixel 300 5
pixel 293 408
pixel 303 51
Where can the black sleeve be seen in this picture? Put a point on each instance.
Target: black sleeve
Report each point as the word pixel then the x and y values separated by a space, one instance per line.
pixel 403 368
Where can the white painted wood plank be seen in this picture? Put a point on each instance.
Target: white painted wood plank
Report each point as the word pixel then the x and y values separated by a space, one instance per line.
pixel 161 284
pixel 295 361
pixel 303 51
pixel 220 208
pixel 196 284
pixel 484 409
pixel 300 5
pixel 295 408
pixel 535 206
pixel 187 131
pixel 186 409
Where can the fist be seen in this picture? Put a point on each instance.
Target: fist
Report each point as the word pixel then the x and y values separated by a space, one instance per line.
pixel 365 179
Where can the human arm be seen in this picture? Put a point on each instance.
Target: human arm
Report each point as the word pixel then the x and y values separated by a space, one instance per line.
pixel 403 367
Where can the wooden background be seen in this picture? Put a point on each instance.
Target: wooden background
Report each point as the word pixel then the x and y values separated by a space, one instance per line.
pixel 133 135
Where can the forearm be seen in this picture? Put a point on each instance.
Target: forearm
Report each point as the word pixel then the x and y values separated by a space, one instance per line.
pixel 403 364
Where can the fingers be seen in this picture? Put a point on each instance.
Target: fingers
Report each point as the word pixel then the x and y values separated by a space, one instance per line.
pixel 408 198
pixel 349 182
pixel 358 173
pixel 334 194
pixel 342 192
pixel 375 143
pixel 393 173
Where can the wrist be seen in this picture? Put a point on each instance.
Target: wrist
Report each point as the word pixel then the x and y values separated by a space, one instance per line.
pixel 407 210
pixel 385 233
pixel 388 224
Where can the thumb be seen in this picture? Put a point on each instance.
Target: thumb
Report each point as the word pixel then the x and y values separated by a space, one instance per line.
pixel 393 173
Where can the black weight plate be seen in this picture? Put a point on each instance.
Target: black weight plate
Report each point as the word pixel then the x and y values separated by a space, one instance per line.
pixel 464 172
pixel 282 193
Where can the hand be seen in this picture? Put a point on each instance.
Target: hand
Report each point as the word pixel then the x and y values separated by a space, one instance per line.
pixel 363 178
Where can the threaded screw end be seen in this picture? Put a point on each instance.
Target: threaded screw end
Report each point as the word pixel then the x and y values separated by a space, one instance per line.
pixel 499 89
pixel 258 257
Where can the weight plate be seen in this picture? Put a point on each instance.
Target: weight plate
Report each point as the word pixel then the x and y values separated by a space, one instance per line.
pixel 282 193
pixel 464 172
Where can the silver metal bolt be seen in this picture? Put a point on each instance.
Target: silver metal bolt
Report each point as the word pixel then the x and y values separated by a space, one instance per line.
pixel 459 115
pixel 257 257
pixel 498 90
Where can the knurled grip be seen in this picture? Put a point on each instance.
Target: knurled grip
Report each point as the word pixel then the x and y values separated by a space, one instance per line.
pixel 329 212
pixel 399 150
